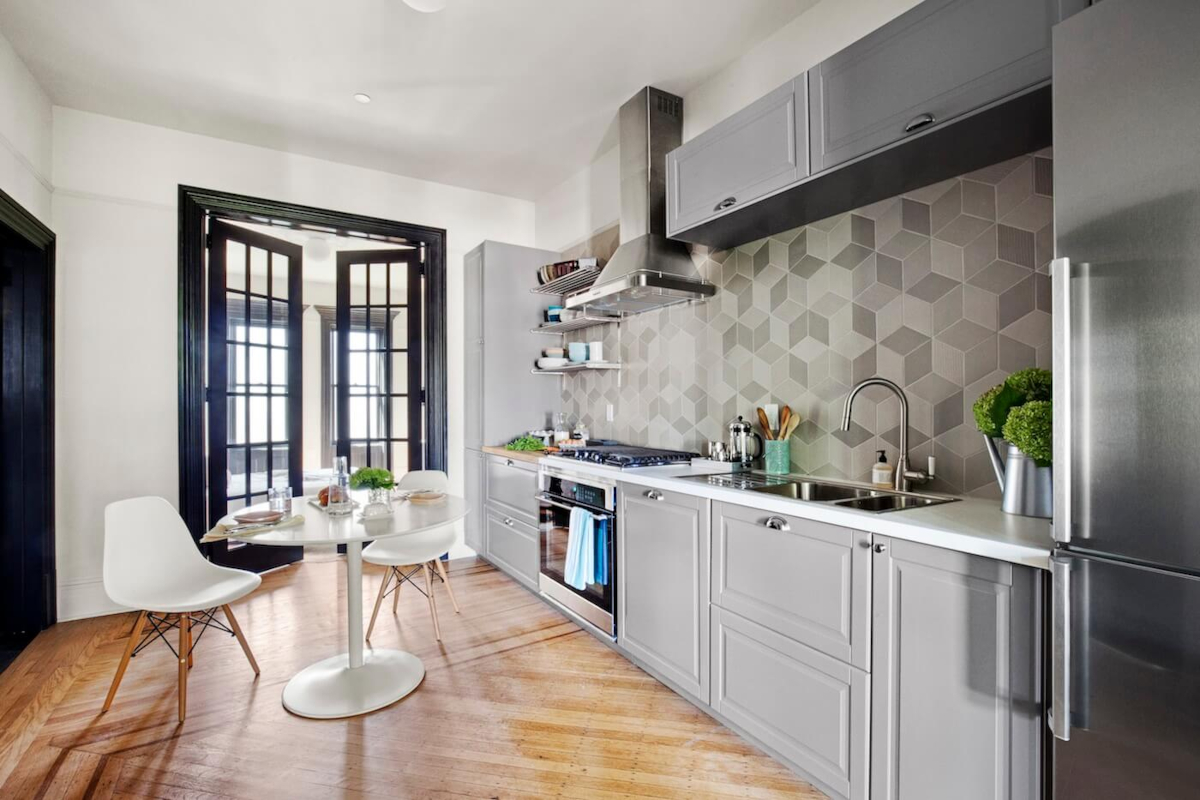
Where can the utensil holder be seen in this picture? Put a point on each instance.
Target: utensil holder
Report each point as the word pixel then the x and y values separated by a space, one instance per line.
pixel 777 457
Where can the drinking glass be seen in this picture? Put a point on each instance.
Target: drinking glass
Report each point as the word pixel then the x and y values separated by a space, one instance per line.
pixel 280 499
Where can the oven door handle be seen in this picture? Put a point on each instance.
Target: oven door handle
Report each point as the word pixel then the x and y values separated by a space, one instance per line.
pixel 549 500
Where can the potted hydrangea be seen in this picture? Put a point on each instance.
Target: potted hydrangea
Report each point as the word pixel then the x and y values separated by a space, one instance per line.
pixel 378 482
pixel 1021 412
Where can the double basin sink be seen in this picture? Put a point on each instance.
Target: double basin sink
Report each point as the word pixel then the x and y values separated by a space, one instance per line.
pixel 843 495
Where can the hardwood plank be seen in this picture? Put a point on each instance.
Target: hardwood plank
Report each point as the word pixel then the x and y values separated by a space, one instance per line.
pixel 517 702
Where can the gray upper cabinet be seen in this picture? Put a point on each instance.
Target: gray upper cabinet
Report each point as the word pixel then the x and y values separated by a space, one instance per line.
pixel 806 580
pixel 930 65
pixel 662 584
pixel 759 149
pixel 956 698
pixel 473 345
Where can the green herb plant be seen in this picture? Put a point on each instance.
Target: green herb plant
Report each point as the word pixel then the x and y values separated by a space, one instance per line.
pixel 995 408
pixel 372 478
pixel 526 443
pixel 1031 428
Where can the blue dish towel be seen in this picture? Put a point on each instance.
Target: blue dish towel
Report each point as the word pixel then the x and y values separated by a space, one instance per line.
pixel 601 573
pixel 581 549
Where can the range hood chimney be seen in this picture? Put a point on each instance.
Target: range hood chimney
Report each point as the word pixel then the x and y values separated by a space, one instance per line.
pixel 648 270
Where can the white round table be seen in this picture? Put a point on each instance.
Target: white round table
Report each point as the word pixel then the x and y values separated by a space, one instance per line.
pixel 350 684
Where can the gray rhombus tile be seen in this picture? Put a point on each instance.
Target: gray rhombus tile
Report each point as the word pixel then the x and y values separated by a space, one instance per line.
pixel 914 216
pixel 807 266
pixel 876 296
pixel 829 304
pixel 932 287
pixel 889 271
pixel 918 363
pixel 962 230
pixel 853 437
pixel 1034 329
pixel 904 341
pixel 1015 246
pixel 851 256
pixel 830 389
pixel 998 277
pixel 1018 301
pixel 979 199
pixel 862 321
pixel 818 327
pixel 948 414
pixel 903 243
pixel 963 335
pixel 946 208
pixel 862 231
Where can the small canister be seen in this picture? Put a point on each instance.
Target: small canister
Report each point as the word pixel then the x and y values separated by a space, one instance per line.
pixel 777 457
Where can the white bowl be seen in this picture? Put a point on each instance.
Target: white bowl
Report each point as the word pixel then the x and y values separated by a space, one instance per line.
pixel 551 363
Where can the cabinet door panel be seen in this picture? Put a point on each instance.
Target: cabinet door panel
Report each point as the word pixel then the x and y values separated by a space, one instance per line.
pixel 662 574
pixel 512 487
pixel 473 287
pixel 810 708
pixel 943 58
pixel 741 159
pixel 810 582
pixel 512 545
pixel 956 635
pixel 476 493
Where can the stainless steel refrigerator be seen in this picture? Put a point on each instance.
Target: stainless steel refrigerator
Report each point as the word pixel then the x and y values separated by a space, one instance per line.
pixel 1125 671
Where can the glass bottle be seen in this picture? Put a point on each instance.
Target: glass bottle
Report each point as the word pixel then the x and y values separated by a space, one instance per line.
pixel 339 489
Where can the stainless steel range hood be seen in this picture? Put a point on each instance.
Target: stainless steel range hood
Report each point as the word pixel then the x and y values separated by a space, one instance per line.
pixel 648 270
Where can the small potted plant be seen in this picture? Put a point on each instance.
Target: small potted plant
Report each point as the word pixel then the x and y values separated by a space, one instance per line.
pixel 1020 410
pixel 378 482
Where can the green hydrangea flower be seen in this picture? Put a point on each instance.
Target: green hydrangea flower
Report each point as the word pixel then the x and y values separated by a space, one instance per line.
pixel 1030 427
pixel 1032 383
pixel 983 411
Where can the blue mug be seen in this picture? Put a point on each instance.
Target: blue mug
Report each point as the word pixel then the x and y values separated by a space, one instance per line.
pixel 554 313
pixel 577 351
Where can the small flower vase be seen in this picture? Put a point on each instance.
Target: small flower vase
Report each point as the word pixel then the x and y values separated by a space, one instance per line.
pixel 379 501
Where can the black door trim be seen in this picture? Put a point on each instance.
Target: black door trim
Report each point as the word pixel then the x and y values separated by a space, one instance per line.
pixel 195 206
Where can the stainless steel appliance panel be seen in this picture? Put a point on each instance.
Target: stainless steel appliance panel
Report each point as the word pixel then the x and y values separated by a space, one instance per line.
pixel 1127 214
pixel 1134 679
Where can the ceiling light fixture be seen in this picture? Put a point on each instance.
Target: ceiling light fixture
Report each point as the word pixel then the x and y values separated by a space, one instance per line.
pixel 426 6
pixel 359 97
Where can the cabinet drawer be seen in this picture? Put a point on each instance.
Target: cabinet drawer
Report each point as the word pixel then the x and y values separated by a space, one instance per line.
pixel 512 487
pixel 942 58
pixel 741 158
pixel 808 707
pixel 512 545
pixel 806 580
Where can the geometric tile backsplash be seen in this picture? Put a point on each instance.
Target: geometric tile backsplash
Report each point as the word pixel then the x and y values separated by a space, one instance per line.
pixel 944 290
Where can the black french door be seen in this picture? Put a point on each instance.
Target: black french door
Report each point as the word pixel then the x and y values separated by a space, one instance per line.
pixel 255 422
pixel 379 373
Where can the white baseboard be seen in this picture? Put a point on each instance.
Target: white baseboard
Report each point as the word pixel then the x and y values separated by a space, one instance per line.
pixel 81 598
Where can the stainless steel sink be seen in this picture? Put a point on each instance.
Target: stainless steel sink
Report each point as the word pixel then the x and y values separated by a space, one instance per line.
pixel 814 491
pixel 892 502
pixel 844 495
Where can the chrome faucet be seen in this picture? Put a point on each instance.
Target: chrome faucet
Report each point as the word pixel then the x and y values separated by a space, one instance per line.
pixel 904 476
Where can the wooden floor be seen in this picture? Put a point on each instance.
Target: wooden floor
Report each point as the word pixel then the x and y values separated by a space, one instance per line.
pixel 517 702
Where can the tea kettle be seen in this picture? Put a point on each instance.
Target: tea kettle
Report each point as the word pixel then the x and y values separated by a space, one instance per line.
pixel 745 444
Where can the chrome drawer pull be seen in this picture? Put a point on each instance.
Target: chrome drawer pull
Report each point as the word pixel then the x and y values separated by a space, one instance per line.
pixel 653 495
pixel 508 522
pixel 919 122
pixel 728 202
pixel 777 524
pixel 509 463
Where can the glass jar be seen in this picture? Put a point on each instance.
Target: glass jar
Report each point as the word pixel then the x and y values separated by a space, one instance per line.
pixel 339 489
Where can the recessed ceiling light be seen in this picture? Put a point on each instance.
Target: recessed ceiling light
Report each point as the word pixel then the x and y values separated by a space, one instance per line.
pixel 359 97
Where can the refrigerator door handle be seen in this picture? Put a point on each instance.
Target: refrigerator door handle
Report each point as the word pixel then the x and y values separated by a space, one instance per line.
pixel 1059 715
pixel 1060 273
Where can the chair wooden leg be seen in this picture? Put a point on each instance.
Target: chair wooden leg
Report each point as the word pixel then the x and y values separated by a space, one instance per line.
pixel 432 603
pixel 189 646
pixel 241 637
pixel 396 594
pixel 446 580
pixel 133 641
pixel 387 578
pixel 185 635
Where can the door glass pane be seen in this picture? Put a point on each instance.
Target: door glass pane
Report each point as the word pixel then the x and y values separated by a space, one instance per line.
pixel 279 419
pixel 258 418
pixel 399 418
pixel 279 466
pixel 378 454
pixel 235 471
pixel 358 369
pixel 400 457
pixel 400 328
pixel 378 288
pixel 258 271
pixel 375 417
pixel 358 339
pixel 235 265
pixel 358 418
pixel 236 420
pixel 279 276
pixel 258 321
pixel 399 294
pixel 257 366
pixel 235 363
pixel 376 364
pixel 399 373
pixel 358 284
pixel 279 370
pixel 236 505
pixel 279 323
pixel 235 316
pixel 377 327
pixel 258 470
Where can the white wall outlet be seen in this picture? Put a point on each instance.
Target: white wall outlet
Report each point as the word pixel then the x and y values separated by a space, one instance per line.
pixel 608 412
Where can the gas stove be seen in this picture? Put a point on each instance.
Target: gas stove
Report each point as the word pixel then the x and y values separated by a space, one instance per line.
pixel 627 456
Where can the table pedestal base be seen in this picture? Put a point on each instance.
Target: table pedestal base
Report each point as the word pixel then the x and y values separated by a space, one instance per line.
pixel 330 689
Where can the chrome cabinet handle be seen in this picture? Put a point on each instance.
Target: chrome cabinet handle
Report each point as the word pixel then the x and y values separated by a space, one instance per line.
pixel 728 202
pixel 653 495
pixel 881 548
pixel 918 122
pixel 508 462
pixel 777 524
pixel 1059 715
pixel 1060 293
pixel 508 522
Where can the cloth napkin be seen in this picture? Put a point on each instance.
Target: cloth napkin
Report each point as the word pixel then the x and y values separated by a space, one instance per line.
pixel 581 549
pixel 222 532
pixel 601 570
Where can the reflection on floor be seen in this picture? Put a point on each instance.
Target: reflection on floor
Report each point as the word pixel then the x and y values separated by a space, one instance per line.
pixel 517 702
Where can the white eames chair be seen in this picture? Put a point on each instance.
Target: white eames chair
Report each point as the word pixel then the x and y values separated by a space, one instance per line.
pixel 151 563
pixel 405 555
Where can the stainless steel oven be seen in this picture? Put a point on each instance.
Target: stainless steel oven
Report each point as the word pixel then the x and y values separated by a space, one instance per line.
pixel 560 491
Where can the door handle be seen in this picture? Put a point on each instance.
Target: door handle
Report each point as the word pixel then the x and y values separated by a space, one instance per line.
pixel 881 548
pixel 1059 716
pixel 508 462
pixel 1060 279
pixel 919 121
pixel 778 524
pixel 508 522
pixel 653 495
pixel 728 202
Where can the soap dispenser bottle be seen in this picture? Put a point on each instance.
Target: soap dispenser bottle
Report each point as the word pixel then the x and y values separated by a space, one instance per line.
pixel 881 471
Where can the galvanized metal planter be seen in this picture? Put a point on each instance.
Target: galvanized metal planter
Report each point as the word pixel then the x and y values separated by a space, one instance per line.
pixel 1028 489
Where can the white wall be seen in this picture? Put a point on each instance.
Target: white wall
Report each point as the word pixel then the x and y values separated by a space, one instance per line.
pixel 25 135
pixel 589 200
pixel 114 210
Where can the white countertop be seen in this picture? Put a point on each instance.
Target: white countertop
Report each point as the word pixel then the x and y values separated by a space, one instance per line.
pixel 967 525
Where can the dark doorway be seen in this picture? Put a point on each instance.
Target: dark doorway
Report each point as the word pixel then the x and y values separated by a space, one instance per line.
pixel 27 577
pixel 405 402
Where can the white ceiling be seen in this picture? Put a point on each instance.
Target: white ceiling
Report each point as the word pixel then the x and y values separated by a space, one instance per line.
pixel 508 96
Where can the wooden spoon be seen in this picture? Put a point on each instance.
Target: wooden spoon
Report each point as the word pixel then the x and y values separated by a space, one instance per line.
pixel 785 416
pixel 793 423
pixel 766 426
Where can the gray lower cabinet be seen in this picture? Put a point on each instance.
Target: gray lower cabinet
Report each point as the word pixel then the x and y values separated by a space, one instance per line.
pixel 759 149
pixel 956 707
pixel 512 487
pixel 662 584
pixel 475 489
pixel 813 710
pixel 806 580
pixel 512 545
pixel 935 62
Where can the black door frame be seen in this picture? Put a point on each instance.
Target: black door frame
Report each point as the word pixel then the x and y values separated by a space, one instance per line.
pixel 196 205
pixel 28 227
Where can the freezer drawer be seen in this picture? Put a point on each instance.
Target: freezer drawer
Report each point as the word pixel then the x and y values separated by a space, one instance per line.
pixel 1131 675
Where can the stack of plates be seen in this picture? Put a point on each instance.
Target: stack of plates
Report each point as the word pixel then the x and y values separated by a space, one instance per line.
pixel 547 362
